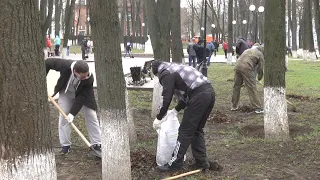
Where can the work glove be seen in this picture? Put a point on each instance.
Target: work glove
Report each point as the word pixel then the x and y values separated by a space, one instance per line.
pixel 71 117
pixel 156 124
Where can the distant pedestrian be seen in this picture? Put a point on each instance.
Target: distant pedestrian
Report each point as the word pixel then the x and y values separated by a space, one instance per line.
pixel 128 50
pixel 57 42
pixel 192 53
pixel 241 46
pixel 225 48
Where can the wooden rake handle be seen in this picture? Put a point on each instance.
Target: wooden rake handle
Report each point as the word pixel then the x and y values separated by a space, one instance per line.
pixel 71 123
pixel 182 175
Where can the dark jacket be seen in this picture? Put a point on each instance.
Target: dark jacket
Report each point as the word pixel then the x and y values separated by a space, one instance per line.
pixel 178 78
pixel 84 95
pixel 241 46
pixel 199 52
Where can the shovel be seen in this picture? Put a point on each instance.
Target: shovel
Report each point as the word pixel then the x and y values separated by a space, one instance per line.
pixel 95 152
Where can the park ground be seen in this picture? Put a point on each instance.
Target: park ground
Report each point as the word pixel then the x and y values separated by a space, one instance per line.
pixel 234 139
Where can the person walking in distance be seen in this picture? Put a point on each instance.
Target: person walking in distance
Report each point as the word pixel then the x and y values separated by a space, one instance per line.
pixel 75 88
pixel 225 48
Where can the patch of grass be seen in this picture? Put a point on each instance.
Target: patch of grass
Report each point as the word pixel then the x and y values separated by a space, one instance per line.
pixel 302 78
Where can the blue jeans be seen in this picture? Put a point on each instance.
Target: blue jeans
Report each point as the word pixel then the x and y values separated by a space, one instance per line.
pixel 208 62
pixel 192 61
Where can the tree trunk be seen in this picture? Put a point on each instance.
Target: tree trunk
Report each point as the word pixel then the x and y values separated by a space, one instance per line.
pixel 289 22
pixel 192 18
pixel 127 20
pixel 177 51
pixel 68 23
pixel 317 21
pixel 25 133
pixel 45 19
pixel 309 31
pixel 159 27
pixel 301 24
pixel 223 20
pixel 294 29
pixel 57 16
pixel 230 31
pixel 112 104
pixel 275 108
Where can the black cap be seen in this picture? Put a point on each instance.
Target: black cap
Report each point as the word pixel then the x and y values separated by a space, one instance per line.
pixel 155 65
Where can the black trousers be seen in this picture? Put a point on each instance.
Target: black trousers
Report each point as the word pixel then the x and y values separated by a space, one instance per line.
pixel 191 132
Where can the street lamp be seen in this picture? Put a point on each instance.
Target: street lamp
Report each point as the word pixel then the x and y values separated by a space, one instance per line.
pixel 202 28
pixel 213 26
pixel 88 20
pixel 244 22
pixel 234 22
pixel 252 8
pixel 143 25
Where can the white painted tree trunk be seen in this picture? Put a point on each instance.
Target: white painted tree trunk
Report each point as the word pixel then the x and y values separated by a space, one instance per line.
pixel 64 53
pixel 157 97
pixel 45 51
pixel 275 113
pixel 305 55
pixel 229 59
pixel 131 127
pixel 294 55
pixel 312 56
pixel 287 62
pixel 116 163
pixel 34 166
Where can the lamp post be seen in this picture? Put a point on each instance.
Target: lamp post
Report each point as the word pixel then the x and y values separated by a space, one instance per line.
pixel 234 38
pixel 88 27
pixel 213 27
pixel 143 39
pixel 204 67
pixel 72 32
pixel 252 8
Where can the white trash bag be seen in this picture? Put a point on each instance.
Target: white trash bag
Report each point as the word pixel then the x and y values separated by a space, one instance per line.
pixel 167 139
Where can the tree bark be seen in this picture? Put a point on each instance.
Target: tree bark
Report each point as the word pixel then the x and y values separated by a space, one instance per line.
pixel 275 108
pixel 25 133
pixel 177 51
pixel 192 19
pixel 111 99
pixel 57 16
pixel 159 27
pixel 230 31
pixel 127 20
pixel 301 24
pixel 294 29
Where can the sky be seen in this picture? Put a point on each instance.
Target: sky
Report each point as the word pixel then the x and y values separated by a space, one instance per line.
pixel 184 3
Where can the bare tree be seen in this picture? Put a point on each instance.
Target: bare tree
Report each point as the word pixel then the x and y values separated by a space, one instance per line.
pixel 177 51
pixel 111 99
pixel 294 29
pixel 25 134
pixel 230 31
pixel 317 21
pixel 158 13
pixel 45 19
pixel 289 22
pixel 308 43
pixel 57 16
pixel 69 10
pixel 275 118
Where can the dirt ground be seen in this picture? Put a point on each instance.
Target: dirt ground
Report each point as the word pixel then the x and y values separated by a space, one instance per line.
pixel 234 139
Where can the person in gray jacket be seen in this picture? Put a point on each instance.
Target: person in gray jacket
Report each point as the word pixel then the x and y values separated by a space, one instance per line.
pixel 192 53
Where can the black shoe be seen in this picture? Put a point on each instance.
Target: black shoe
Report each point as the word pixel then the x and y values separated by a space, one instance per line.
pixel 65 150
pixel 97 147
pixel 168 168
pixel 200 166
